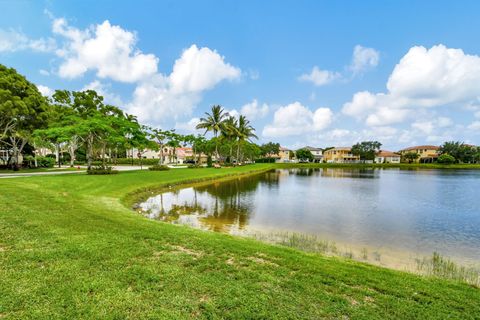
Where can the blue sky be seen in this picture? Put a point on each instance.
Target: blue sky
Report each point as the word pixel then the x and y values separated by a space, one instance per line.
pixel 321 73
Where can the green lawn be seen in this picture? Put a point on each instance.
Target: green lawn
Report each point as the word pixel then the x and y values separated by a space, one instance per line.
pixel 33 170
pixel 70 248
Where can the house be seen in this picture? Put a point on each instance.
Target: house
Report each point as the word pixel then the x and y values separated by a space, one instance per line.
pixel 283 155
pixel 178 156
pixel 185 155
pixel 340 155
pixel 384 156
pixel 317 153
pixel 427 153
pixel 7 155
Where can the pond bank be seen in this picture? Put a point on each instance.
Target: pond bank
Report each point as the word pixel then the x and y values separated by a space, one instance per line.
pixel 69 242
pixel 339 212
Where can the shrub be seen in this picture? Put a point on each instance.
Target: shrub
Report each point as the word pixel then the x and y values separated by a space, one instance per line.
pixel 195 166
pixel 45 162
pixel 209 161
pixel 265 160
pixel 158 167
pixel 101 170
pixel 446 159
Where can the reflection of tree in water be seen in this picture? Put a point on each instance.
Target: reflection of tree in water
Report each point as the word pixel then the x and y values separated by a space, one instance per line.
pixel 350 173
pixel 304 172
pixel 228 207
pixel 179 209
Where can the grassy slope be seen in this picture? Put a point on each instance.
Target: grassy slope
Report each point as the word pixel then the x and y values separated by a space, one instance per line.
pixel 70 249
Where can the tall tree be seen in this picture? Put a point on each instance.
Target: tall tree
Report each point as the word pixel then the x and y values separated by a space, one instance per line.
pixel 269 149
pixel 410 156
pixel 22 108
pixel 229 133
pixel 366 149
pixel 174 142
pixel 96 124
pixel 304 155
pixel 214 122
pixel 460 151
pixel 161 137
pixel 244 132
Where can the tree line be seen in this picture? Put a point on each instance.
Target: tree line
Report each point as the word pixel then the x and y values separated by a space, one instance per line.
pixel 79 124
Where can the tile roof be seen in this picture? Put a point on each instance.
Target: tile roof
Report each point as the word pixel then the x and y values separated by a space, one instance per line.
pixel 421 147
pixel 385 153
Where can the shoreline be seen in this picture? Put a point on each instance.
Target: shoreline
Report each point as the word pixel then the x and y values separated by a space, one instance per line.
pixel 78 248
pixel 380 256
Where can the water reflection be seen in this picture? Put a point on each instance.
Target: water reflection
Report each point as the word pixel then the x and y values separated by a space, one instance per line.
pixel 417 211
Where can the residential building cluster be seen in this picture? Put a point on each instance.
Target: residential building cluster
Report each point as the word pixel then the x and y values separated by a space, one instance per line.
pixel 426 154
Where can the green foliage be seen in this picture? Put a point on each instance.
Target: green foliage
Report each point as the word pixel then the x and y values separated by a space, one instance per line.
pixel 410 156
pixel 45 162
pixel 22 110
pixel 209 161
pixel 158 167
pixel 101 170
pixel 70 239
pixel 269 148
pixel 214 122
pixel 462 152
pixel 304 155
pixel 265 160
pixel 446 159
pixel 366 149
pixel 195 166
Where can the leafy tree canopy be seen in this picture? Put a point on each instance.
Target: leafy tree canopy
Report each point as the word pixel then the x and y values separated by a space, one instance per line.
pixel 366 149
pixel 304 155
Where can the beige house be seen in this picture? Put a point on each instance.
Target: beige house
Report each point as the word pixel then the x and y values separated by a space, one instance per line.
pixel 384 156
pixel 427 153
pixel 316 152
pixel 178 156
pixel 340 155
pixel 283 155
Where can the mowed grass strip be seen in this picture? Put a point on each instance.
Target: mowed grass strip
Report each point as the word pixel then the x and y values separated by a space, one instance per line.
pixel 70 248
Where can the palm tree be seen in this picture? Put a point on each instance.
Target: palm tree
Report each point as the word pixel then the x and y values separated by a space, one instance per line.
pixel 229 131
pixel 214 122
pixel 244 133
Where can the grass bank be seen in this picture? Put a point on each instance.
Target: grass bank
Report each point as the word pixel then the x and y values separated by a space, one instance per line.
pixel 70 248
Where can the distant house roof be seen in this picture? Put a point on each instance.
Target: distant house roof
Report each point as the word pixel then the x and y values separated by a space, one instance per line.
pixel 312 148
pixel 284 149
pixel 340 149
pixel 427 147
pixel 385 154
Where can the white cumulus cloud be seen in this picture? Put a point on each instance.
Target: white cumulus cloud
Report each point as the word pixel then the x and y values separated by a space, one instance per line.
pixel 296 119
pixel 475 126
pixel 161 97
pixel 254 110
pixel 12 41
pixel 364 59
pixel 189 126
pixel 107 49
pixel 200 69
pixel 319 77
pixel 44 90
pixel 423 78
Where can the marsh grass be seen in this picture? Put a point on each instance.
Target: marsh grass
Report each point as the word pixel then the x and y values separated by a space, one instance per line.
pixel 301 241
pixel 441 267
pixel 435 265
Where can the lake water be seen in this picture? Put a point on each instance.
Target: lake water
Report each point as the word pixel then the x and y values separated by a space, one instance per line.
pixel 415 212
